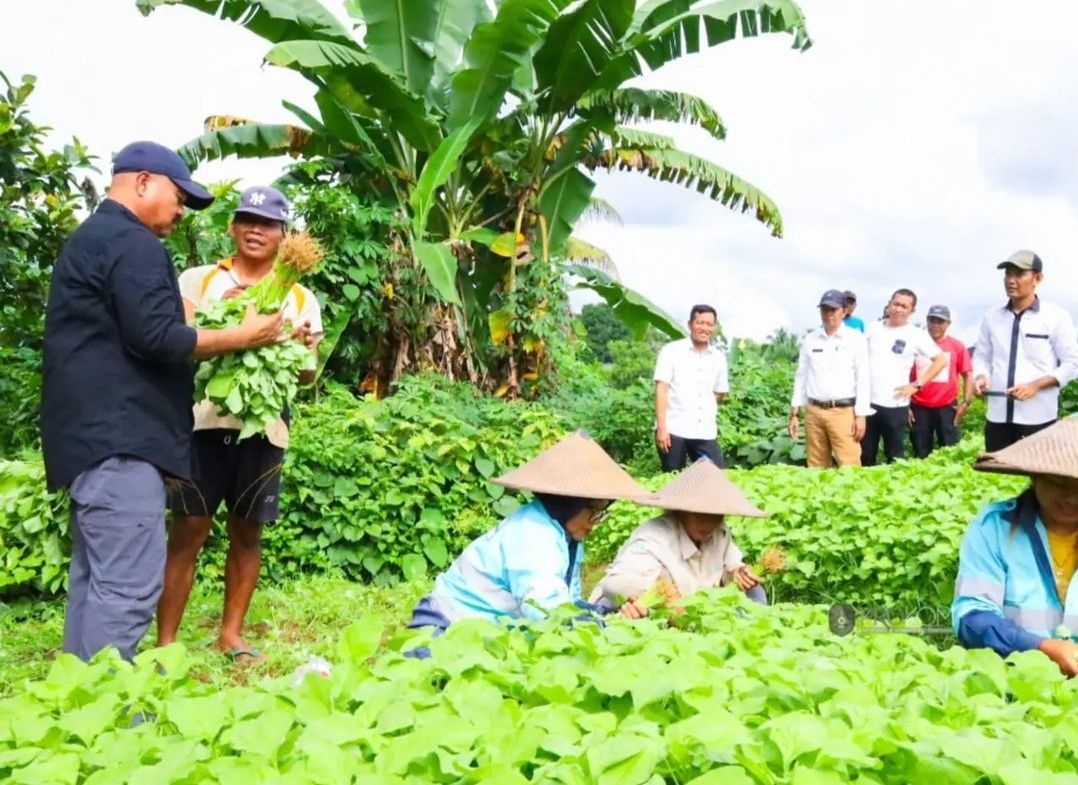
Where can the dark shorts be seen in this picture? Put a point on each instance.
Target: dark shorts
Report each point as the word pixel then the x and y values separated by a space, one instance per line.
pixel 245 475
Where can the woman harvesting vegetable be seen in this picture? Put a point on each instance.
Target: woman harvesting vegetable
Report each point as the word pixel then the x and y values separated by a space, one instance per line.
pixel 1015 589
pixel 240 432
pixel 687 548
pixel 531 560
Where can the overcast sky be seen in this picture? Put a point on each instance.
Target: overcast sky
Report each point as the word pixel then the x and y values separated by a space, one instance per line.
pixel 916 144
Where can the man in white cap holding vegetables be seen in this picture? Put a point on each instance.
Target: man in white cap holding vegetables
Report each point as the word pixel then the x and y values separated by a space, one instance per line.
pixel 687 548
pixel 241 471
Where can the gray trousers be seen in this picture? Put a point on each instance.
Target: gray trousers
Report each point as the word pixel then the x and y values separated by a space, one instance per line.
pixel 117 556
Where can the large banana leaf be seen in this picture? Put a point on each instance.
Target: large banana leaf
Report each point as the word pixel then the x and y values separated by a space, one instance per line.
pixel 400 35
pixel 562 201
pixel 255 140
pixel 441 267
pixel 441 164
pixel 633 309
pixel 494 52
pixel 421 41
pixel 578 47
pixel 691 171
pixel 634 104
pixel 673 29
pixel 274 20
pixel 456 21
pixel 332 63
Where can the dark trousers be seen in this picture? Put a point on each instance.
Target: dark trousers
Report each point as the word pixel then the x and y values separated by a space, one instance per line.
pixel 932 427
pixel 692 450
pixel 998 435
pixel 889 423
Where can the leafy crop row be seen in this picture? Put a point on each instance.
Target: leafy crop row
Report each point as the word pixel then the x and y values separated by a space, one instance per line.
pixel 741 694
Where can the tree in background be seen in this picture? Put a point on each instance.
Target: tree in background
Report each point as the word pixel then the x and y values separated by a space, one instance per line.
pixel 476 123
pixel 40 196
pixel 603 327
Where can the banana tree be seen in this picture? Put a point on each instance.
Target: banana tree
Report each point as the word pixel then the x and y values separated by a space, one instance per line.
pixel 480 122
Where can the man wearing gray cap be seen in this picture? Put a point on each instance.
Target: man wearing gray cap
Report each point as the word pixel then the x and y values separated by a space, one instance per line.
pixel 116 393
pixel 832 382
pixel 1026 352
pixel 244 475
pixel 935 411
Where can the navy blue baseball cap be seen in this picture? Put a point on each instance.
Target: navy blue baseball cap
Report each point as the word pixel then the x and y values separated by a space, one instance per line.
pixel 158 159
pixel 833 298
pixel 265 202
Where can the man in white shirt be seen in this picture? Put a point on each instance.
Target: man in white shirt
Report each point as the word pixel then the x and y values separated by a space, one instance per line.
pixel 1026 352
pixel 832 382
pixel 894 347
pixel 691 377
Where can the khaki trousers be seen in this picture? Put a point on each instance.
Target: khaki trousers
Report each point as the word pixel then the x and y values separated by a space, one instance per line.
pixel 829 432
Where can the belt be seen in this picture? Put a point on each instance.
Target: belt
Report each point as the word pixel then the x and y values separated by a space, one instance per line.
pixel 841 403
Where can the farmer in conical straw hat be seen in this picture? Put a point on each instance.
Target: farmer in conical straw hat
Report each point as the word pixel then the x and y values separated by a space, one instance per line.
pixel 1015 590
pixel 689 545
pixel 533 557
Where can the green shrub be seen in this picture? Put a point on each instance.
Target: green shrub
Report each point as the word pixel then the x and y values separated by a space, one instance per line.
pixel 885 539
pixel 33 531
pixel 391 488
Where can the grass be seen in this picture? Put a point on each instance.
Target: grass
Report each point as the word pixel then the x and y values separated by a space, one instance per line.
pixel 290 622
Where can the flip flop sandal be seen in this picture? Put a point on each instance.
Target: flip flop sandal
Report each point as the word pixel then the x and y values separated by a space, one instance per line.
pixel 253 655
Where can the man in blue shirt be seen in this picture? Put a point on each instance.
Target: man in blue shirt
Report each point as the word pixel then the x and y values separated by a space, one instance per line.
pixel 851 305
pixel 117 393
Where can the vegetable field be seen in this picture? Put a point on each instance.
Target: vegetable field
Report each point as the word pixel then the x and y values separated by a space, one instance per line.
pixel 735 694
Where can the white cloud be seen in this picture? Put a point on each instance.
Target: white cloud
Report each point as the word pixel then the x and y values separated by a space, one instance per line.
pixel 914 145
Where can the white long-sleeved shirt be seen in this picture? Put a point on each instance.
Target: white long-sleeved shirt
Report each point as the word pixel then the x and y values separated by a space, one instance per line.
pixel 1019 348
pixel 832 368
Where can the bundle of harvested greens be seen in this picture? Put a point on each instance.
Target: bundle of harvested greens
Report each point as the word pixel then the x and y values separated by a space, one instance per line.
pixel 258 384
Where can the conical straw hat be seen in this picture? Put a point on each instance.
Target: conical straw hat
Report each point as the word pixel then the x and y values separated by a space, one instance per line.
pixel 1051 451
pixel 575 466
pixel 703 487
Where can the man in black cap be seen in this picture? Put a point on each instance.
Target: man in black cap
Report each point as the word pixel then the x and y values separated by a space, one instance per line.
pixel 832 382
pixel 851 305
pixel 117 393
pixel 1026 352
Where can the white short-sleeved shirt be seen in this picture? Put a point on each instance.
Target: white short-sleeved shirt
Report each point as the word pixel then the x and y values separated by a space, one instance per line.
pixel 660 548
pixel 1016 349
pixel 208 283
pixel 694 378
pixel 892 351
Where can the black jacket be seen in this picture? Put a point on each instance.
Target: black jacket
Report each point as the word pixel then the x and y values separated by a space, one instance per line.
pixel 117 374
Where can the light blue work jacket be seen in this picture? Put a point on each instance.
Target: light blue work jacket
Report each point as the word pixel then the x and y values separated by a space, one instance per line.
pixel 1006 597
pixel 526 558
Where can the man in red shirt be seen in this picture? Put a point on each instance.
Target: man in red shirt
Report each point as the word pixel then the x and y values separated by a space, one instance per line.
pixel 935 411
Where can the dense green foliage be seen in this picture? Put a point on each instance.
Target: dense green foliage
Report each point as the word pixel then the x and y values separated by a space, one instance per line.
pixel 884 539
pixel 396 487
pixel 631 704
pixel 40 194
pixel 34 543
pixel 602 326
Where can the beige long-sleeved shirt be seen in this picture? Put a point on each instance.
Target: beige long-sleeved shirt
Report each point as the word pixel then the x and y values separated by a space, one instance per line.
pixel 660 548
